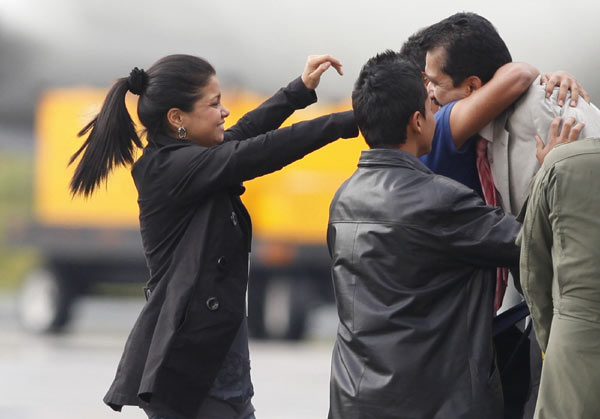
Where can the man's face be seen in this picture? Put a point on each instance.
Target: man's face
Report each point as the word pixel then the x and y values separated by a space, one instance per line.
pixel 441 88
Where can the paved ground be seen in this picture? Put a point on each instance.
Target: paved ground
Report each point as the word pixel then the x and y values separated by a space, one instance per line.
pixel 65 376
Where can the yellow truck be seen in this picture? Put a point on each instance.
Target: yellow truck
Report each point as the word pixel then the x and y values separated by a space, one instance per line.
pixel 84 241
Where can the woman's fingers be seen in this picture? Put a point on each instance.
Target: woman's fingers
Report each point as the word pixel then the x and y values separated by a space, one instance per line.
pixel 316 65
pixel 321 69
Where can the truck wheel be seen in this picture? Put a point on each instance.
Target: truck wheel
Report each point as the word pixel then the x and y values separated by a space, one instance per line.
pixel 45 302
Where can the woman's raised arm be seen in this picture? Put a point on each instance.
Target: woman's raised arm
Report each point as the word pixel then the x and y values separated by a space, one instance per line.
pixel 297 95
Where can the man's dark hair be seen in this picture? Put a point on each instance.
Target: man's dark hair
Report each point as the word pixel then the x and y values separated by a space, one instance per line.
pixel 473 47
pixel 388 91
pixel 416 46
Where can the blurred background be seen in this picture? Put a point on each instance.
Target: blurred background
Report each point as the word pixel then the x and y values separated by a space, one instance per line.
pixel 71 270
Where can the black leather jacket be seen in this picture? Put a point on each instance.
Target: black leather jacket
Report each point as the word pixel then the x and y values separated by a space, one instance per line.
pixel 412 256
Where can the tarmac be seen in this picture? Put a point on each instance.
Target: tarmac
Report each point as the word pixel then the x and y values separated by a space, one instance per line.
pixel 65 376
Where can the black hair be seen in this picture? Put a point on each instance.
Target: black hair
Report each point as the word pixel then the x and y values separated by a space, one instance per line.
pixel 175 81
pixel 388 91
pixel 416 46
pixel 472 46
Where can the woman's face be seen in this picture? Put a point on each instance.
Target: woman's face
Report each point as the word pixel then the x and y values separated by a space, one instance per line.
pixel 205 122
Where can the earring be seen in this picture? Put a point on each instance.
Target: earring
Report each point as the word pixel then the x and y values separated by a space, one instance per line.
pixel 181 133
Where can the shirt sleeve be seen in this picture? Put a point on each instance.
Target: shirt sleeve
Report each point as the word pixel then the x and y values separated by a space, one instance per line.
pixel 273 112
pixel 536 257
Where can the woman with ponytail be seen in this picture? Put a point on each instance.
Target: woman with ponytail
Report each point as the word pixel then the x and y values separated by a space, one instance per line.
pixel 187 355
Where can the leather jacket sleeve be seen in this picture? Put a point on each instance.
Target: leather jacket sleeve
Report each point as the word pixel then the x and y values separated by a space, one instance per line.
pixel 475 233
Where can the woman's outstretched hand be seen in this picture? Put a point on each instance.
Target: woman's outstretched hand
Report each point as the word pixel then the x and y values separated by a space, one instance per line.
pixel 317 65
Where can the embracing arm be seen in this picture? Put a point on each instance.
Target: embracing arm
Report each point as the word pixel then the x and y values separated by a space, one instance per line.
pixel 474 112
pixel 297 95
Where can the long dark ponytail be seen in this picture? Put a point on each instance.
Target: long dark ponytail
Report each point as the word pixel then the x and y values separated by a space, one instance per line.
pixel 112 138
pixel 175 81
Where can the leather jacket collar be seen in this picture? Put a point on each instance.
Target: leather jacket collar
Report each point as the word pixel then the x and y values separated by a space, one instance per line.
pixel 391 157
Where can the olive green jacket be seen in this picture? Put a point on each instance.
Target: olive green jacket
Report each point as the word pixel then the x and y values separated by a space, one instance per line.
pixel 560 276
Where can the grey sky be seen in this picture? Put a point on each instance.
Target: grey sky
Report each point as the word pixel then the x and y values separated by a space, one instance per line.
pixel 262 44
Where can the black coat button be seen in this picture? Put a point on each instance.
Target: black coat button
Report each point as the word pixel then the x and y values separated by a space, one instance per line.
pixel 222 262
pixel 234 219
pixel 212 303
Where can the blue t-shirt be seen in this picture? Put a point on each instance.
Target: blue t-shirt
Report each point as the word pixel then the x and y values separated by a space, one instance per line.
pixel 444 159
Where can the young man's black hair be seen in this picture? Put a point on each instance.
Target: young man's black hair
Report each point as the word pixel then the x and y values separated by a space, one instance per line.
pixel 387 92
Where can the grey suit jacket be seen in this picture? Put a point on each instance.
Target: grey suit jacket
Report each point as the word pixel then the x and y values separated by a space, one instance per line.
pixel 511 151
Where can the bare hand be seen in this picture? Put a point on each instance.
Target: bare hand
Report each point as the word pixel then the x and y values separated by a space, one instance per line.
pixel 317 65
pixel 566 82
pixel 568 133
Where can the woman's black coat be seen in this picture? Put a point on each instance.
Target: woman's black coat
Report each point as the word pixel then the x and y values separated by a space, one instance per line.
pixel 196 235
